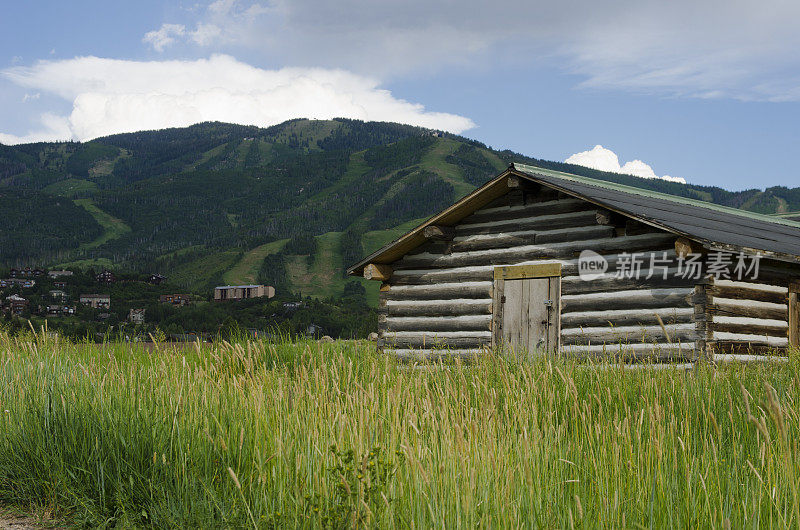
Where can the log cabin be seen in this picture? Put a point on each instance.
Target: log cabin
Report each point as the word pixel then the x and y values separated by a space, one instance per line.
pixel 540 261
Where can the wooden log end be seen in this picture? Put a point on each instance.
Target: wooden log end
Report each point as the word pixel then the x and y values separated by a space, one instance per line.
pixel 377 271
pixel 440 233
pixel 603 217
pixel 685 246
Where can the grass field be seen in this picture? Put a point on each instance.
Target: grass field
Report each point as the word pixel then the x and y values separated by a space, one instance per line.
pixel 322 277
pixel 198 273
pixel 287 435
pixel 435 162
pixel 246 269
pixel 71 188
pixel 113 227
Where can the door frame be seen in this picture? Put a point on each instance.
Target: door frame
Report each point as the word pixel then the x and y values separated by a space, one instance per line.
pixel 794 313
pixel 521 272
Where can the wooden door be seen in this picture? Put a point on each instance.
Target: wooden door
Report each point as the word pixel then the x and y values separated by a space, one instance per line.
pixel 794 314
pixel 527 309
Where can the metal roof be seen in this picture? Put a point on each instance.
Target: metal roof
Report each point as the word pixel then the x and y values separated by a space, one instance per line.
pixel 792 216
pixel 715 225
pixel 711 224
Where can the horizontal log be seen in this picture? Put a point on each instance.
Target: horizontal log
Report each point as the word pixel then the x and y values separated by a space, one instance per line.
pixel 528 252
pixel 718 348
pixel 440 291
pixel 565 220
pixel 434 355
pixel 759 286
pixel 739 293
pixel 509 201
pixel 629 317
pixel 746 321
pixel 657 352
pixel 498 203
pixel 678 333
pixel 750 326
pixel 529 237
pixel 443 323
pixel 743 338
pixel 634 347
pixel 748 358
pixel 441 233
pixel 453 307
pixel 569 267
pixel 635 299
pixel 529 210
pixel 377 271
pixel 574 285
pixel 748 308
pixel 444 339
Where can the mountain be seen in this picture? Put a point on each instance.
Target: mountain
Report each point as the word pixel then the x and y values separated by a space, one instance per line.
pixel 288 205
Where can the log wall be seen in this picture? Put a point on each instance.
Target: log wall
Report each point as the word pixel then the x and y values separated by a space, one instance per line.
pixel 747 320
pixel 440 295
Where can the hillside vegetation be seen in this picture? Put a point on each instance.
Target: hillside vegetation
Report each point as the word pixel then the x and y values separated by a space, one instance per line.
pixel 212 202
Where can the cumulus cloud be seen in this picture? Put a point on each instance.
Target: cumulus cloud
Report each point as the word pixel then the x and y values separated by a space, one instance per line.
pixel 164 36
pixel 696 48
pixel 112 96
pixel 607 160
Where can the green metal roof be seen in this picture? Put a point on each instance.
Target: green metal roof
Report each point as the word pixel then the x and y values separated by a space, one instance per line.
pixel 613 186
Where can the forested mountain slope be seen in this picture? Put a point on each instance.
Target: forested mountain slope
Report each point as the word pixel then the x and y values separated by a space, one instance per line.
pixel 289 205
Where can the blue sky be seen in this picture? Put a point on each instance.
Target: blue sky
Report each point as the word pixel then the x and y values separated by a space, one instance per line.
pixel 707 91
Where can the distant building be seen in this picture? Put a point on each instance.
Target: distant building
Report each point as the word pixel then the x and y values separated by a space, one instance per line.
pixel 313 330
pixel 175 299
pixel 17 282
pixel 242 292
pixel 96 301
pixel 57 310
pixel 60 285
pixel 156 279
pixel 27 272
pixel 106 277
pixel 59 274
pixel 292 305
pixel 16 304
pixel 136 316
pixel 57 293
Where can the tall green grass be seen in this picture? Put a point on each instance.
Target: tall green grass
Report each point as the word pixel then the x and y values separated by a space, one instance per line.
pixel 312 435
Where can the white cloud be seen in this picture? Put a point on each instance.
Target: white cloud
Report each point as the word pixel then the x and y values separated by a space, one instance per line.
pixel 164 36
pixel 206 34
pixel 30 97
pixel 223 22
pixel 607 160
pixel 697 48
pixel 52 128
pixel 112 96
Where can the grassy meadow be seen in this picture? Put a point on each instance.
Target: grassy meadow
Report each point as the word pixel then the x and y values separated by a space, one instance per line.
pixel 301 434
